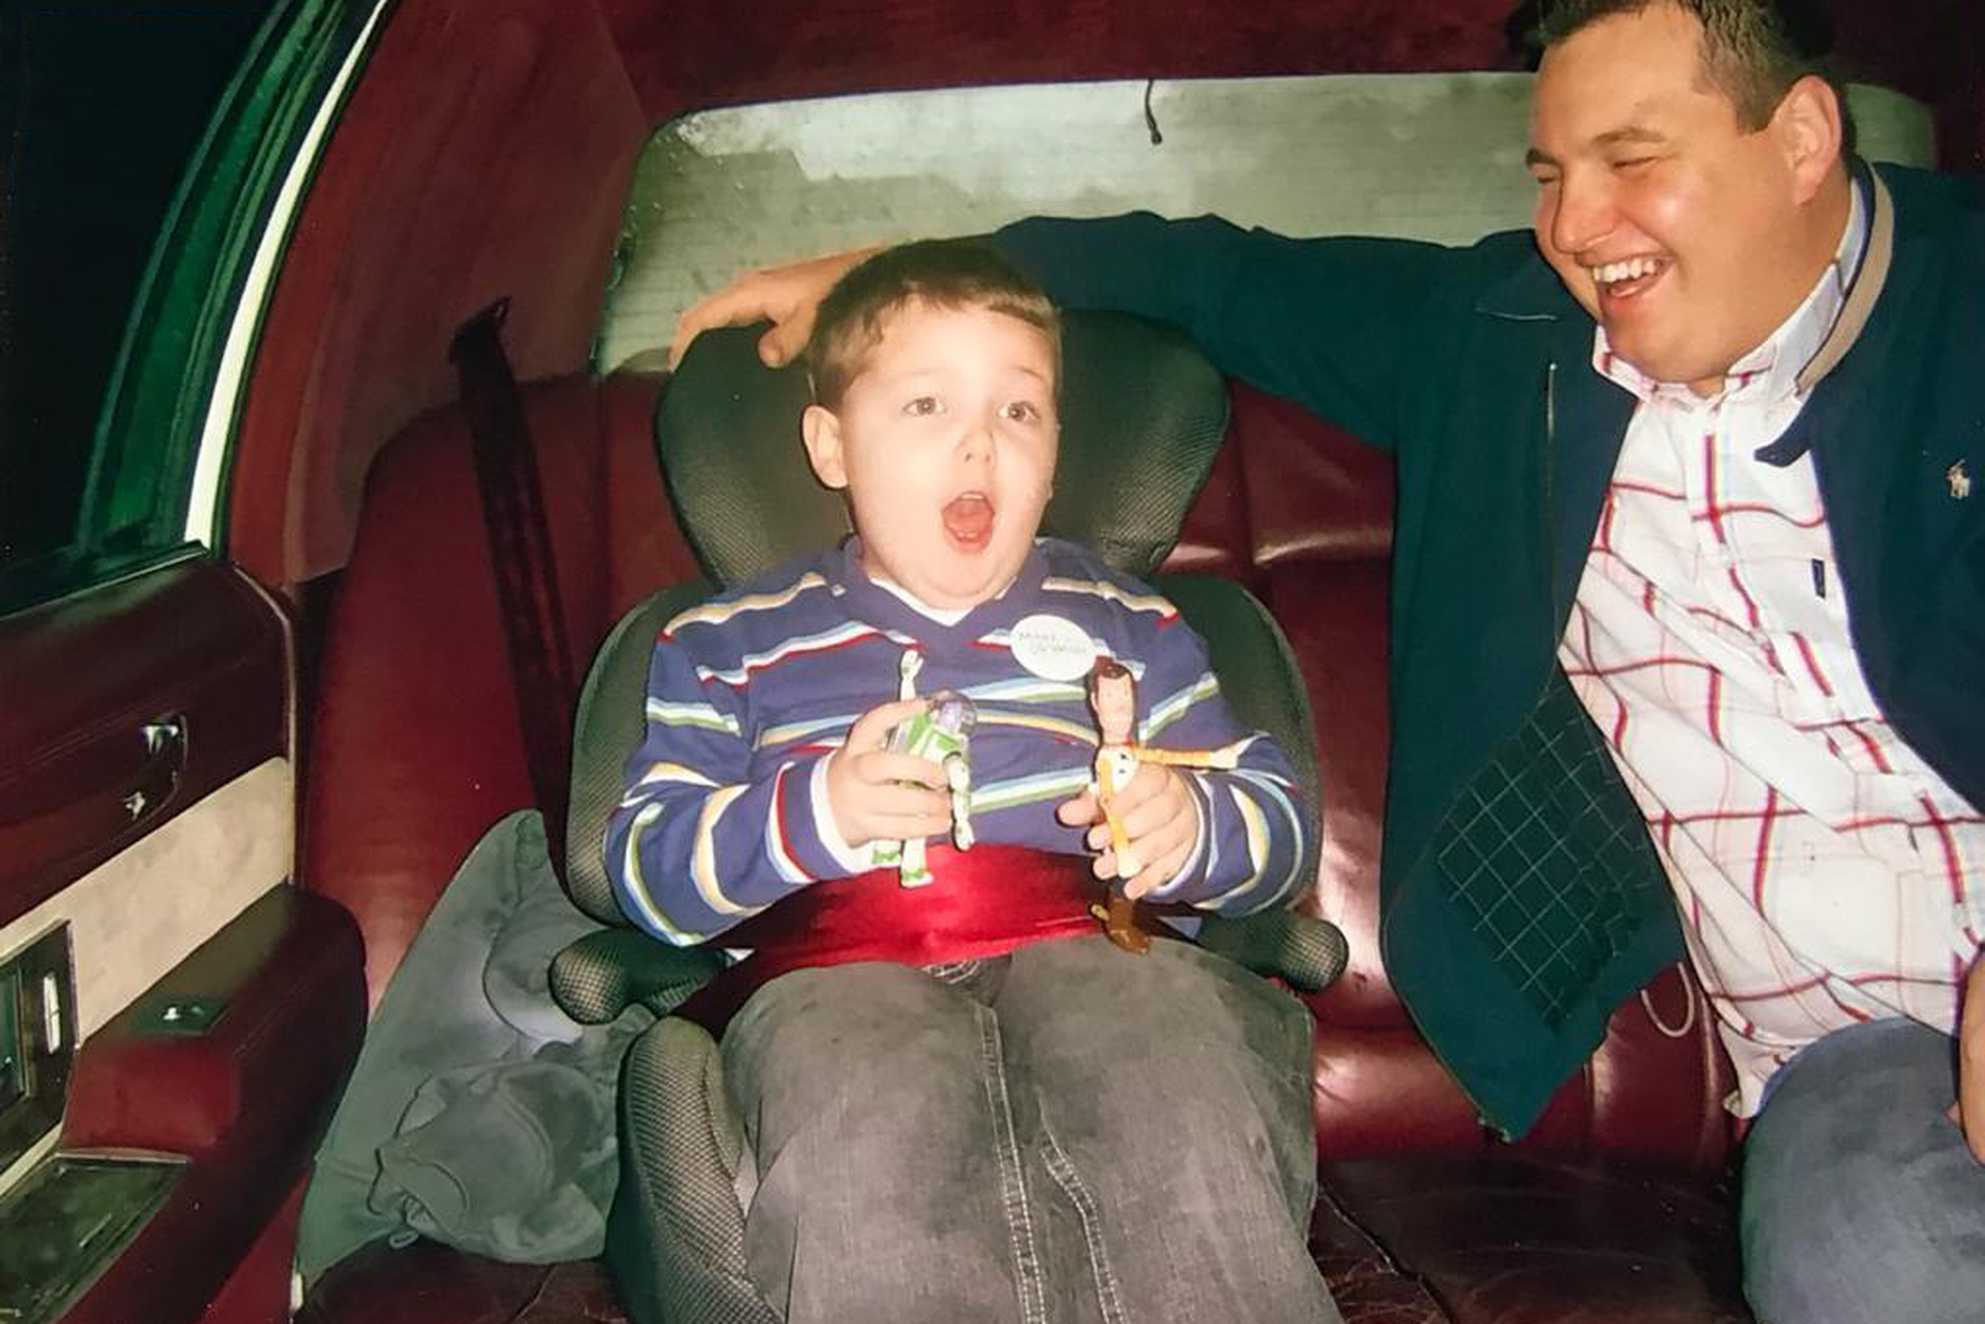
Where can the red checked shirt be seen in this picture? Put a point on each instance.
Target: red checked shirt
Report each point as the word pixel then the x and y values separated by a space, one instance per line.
pixel 1825 874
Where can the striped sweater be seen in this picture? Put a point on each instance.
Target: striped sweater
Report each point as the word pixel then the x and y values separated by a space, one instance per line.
pixel 726 811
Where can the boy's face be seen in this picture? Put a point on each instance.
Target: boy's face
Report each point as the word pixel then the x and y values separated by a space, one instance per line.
pixel 945 442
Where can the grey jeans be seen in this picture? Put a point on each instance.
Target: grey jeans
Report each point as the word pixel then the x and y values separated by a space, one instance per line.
pixel 1861 1202
pixel 1070 1133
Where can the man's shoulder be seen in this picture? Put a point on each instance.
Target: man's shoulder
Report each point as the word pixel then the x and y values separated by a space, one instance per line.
pixel 1934 187
pixel 1933 295
pixel 1931 204
pixel 1503 251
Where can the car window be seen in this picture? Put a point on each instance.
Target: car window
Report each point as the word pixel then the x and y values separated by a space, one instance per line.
pixel 102 108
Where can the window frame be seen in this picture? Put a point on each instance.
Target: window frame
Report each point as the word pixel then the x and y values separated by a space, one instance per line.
pixel 154 417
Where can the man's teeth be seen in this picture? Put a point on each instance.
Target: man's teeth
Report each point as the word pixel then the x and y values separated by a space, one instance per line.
pixel 1613 272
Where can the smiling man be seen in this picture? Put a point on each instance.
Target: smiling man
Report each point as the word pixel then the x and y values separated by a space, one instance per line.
pixel 1684 485
pixel 1684 210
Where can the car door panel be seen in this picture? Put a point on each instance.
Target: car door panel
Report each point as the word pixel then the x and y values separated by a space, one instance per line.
pixel 126 705
pixel 147 803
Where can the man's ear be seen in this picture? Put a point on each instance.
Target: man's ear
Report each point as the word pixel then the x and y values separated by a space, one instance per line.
pixel 820 427
pixel 1807 125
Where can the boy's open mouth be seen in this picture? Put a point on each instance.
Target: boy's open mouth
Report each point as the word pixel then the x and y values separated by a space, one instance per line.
pixel 968 520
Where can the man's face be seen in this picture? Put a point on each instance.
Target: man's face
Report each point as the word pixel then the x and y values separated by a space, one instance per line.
pixel 1674 227
pixel 946 443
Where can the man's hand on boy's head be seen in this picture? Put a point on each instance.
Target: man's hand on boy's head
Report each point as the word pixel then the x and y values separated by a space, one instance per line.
pixel 787 296
pixel 1158 819
pixel 879 796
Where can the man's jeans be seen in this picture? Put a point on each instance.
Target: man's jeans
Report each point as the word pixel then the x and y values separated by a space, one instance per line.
pixel 1071 1133
pixel 1861 1202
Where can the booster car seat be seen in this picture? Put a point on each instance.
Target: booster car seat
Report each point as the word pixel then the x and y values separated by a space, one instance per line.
pixel 1143 414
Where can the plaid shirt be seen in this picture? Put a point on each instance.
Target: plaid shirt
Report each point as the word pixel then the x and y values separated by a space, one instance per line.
pixel 1825 873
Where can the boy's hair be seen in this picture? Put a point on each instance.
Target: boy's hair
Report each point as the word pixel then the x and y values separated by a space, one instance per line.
pixel 1753 51
pixel 944 273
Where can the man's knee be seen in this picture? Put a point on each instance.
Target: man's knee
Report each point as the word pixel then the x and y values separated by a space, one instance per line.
pixel 1860 1200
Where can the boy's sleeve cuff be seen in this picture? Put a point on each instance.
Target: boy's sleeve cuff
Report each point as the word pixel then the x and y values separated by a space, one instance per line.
pixel 848 860
pixel 1195 861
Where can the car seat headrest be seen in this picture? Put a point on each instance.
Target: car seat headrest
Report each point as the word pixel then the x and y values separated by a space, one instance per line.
pixel 1142 415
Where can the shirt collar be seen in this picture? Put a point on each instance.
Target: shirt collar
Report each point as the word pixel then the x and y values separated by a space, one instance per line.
pixel 891 607
pixel 1770 372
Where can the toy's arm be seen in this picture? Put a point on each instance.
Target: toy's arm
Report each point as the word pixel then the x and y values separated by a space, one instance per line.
pixel 1226 758
pixel 1111 760
pixel 1253 848
pixel 958 776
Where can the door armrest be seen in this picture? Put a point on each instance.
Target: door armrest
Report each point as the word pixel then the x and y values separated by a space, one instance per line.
pixel 233 1060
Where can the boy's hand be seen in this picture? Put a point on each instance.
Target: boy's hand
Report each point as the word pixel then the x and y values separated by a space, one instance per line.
pixel 787 296
pixel 1158 818
pixel 879 796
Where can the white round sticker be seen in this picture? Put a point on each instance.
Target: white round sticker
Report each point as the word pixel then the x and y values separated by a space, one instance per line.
pixel 1052 647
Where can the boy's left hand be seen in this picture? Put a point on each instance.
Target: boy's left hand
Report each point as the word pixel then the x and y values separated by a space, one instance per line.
pixel 1158 818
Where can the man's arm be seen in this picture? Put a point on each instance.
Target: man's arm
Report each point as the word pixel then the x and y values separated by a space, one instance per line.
pixel 1336 324
pixel 1331 323
pixel 786 296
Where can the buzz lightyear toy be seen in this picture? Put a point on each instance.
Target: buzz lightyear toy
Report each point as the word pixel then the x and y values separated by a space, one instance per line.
pixel 942 733
pixel 1113 699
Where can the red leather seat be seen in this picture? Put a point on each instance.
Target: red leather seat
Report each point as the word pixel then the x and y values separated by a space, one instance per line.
pixel 1611 1208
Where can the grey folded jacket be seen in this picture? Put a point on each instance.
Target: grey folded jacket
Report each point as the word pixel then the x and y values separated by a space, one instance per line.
pixel 478 1113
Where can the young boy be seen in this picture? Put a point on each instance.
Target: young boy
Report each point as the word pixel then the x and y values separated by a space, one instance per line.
pixel 964 1104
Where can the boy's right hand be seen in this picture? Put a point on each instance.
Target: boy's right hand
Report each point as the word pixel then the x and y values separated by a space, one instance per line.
pixel 787 296
pixel 876 795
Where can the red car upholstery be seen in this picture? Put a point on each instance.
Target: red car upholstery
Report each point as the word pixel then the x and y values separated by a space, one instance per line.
pixel 1612 1208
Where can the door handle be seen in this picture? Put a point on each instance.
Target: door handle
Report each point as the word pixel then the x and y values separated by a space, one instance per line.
pixel 100 796
pixel 166 736
pixel 165 760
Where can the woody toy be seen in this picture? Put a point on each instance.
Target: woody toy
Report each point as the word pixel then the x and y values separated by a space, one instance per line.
pixel 1113 699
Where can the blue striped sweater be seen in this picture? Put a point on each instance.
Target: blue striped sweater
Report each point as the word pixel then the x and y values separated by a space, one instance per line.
pixel 726 813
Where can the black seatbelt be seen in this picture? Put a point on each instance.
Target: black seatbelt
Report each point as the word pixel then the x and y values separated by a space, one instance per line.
pixel 520 553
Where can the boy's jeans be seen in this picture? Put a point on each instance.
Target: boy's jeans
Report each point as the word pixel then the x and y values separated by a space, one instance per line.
pixel 1861 1202
pixel 1070 1133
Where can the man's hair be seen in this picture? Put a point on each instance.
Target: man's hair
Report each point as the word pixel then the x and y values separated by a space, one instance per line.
pixel 1753 51
pixel 942 273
